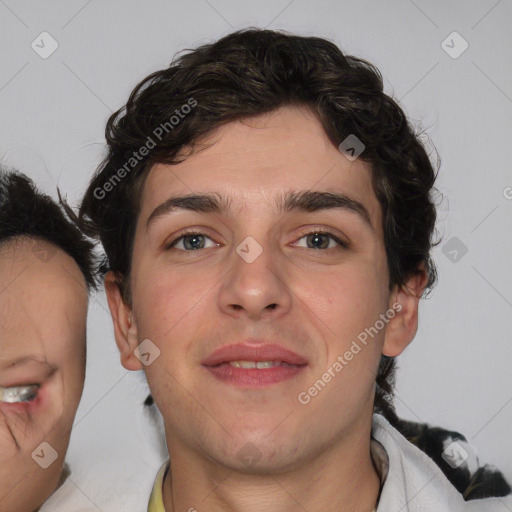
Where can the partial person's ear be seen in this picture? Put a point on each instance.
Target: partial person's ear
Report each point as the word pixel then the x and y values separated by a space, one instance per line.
pixel 125 329
pixel 404 300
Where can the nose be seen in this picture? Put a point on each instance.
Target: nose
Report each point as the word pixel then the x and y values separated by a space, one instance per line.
pixel 255 288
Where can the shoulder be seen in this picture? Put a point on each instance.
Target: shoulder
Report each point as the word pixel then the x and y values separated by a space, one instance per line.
pixel 415 482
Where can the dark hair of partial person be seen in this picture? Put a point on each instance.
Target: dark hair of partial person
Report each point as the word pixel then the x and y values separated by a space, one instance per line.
pixel 27 212
pixel 255 71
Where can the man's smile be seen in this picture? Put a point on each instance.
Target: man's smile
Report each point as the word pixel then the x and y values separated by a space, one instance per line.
pixel 254 363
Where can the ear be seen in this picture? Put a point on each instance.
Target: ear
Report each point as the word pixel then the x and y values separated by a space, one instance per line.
pixel 404 300
pixel 125 328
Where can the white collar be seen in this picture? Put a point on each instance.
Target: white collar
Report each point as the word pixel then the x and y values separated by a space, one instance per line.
pixel 415 483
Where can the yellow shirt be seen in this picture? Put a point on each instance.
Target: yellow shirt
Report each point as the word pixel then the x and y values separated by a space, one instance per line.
pixel 156 500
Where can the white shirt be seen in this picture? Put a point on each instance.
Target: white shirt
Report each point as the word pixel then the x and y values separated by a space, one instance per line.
pixel 413 483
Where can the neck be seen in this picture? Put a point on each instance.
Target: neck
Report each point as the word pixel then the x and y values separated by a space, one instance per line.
pixel 341 478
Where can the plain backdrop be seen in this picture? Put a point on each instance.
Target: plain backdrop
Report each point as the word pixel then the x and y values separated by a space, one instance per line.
pixel 457 372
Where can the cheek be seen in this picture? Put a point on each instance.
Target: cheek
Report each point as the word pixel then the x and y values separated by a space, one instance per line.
pixel 346 300
pixel 74 378
pixel 173 304
pixel 344 305
pixel 68 354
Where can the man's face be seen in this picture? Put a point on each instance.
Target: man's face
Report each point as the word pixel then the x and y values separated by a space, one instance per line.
pixel 308 294
pixel 43 309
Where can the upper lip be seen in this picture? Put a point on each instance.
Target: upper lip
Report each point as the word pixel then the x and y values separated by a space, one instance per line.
pixel 245 352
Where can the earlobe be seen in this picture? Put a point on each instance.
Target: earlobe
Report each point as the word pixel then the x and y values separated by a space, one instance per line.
pixel 125 328
pixel 404 300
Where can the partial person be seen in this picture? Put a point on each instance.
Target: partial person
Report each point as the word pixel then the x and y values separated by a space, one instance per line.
pixel 46 272
pixel 268 215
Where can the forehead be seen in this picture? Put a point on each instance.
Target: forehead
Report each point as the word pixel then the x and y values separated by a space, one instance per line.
pixel 254 160
pixel 43 296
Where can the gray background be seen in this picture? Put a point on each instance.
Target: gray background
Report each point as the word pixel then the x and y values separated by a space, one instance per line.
pixel 457 371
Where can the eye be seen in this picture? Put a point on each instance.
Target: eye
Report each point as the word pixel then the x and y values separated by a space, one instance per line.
pixel 191 241
pixel 16 394
pixel 321 239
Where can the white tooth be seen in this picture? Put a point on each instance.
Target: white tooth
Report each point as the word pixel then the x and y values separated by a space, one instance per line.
pixel 267 364
pixel 254 364
pixel 17 394
pixel 243 364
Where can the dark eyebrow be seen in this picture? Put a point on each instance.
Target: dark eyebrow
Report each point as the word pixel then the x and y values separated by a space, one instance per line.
pixel 205 203
pixel 312 201
pixel 304 201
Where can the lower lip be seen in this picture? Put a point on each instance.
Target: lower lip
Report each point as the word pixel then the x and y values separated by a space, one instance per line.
pixel 254 377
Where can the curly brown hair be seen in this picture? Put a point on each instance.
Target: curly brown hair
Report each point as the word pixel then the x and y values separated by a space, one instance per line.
pixel 251 72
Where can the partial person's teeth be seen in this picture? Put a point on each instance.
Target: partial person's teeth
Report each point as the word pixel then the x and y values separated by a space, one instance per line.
pixel 254 364
pixel 16 394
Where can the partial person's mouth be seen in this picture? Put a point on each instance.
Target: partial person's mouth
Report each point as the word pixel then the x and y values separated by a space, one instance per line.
pixel 258 364
pixel 15 394
pixel 254 365
pixel 23 398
